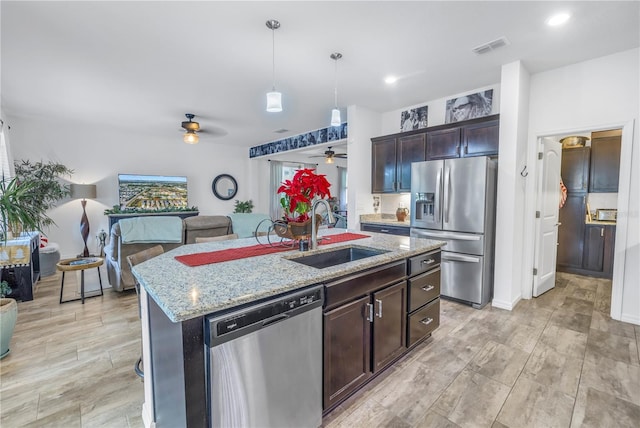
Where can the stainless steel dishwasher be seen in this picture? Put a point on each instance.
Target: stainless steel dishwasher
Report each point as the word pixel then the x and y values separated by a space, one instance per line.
pixel 264 363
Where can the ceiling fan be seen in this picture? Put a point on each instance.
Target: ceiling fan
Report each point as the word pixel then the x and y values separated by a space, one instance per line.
pixel 330 155
pixel 192 130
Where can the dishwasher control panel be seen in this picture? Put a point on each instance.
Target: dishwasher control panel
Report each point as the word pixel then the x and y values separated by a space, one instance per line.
pixel 265 313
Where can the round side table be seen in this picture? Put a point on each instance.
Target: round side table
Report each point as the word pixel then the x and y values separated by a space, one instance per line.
pixel 81 264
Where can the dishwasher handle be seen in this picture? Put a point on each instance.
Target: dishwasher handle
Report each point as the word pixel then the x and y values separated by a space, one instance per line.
pixel 274 320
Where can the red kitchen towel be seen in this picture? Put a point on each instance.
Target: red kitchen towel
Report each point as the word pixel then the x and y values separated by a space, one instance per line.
pixel 219 256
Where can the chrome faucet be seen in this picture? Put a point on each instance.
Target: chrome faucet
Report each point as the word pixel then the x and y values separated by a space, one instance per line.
pixel 314 239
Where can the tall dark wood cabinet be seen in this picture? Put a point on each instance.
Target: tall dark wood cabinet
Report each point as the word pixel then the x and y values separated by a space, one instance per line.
pixel 575 169
pixel 571 231
pixel 383 165
pixel 410 149
pixel 605 161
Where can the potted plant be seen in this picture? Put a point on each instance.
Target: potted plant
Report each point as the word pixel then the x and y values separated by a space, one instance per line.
pixel 17 210
pixel 243 206
pixel 297 200
pixel 8 317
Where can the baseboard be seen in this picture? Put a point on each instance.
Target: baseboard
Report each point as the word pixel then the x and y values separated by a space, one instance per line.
pixel 631 319
pixel 502 304
pixel 146 417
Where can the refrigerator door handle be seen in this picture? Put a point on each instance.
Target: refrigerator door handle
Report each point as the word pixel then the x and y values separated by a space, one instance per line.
pixel 447 235
pixel 447 180
pixel 438 202
pixel 460 258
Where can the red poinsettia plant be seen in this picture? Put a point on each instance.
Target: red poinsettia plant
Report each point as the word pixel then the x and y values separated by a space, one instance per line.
pixel 299 193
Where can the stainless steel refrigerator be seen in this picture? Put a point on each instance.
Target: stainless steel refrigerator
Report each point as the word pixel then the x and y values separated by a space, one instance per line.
pixel 454 200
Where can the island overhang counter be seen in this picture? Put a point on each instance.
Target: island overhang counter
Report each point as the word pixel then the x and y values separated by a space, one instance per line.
pixel 176 298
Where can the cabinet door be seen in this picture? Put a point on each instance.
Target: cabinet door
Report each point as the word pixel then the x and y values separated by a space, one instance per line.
pixel 571 231
pixel 480 139
pixel 383 165
pixel 410 149
pixel 593 248
pixel 347 349
pixel 575 169
pixel 389 341
pixel 609 250
pixel 443 144
pixel 605 164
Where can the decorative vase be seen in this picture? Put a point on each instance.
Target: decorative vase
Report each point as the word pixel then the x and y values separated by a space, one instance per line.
pixel 8 316
pixel 296 230
pixel 401 214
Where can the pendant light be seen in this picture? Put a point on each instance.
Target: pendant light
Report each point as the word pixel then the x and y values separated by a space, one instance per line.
pixel 335 113
pixel 274 98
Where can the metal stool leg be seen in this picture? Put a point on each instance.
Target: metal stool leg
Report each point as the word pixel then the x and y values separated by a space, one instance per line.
pixel 100 281
pixel 61 287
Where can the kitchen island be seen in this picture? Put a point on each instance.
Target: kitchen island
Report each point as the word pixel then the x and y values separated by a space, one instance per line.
pixel 175 299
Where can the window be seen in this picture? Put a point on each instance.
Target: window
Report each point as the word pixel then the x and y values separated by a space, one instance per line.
pixel 6 162
pixel 281 171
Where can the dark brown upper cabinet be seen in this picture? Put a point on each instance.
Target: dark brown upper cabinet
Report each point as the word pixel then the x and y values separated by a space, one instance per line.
pixel 392 155
pixel 575 168
pixel 605 161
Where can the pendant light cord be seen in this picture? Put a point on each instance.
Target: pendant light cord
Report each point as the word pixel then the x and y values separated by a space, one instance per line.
pixel 336 84
pixel 273 57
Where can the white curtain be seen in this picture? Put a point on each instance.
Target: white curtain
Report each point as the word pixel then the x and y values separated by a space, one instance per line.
pixel 6 161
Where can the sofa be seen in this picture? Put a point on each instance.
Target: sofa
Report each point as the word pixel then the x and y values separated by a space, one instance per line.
pixel 141 233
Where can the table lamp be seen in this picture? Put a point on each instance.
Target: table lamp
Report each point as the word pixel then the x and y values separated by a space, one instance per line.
pixel 84 191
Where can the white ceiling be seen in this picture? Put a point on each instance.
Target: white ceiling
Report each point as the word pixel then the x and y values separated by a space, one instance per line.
pixel 142 65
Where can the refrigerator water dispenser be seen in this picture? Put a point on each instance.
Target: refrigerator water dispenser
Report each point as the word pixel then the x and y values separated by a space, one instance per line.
pixel 425 207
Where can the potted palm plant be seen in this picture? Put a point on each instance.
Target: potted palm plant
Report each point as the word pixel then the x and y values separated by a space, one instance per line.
pixel 8 317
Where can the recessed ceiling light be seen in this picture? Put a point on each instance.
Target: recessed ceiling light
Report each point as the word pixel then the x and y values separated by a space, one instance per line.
pixel 558 19
pixel 390 80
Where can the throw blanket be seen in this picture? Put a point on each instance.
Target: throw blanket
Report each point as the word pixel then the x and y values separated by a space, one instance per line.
pixel 151 229
pixel 245 224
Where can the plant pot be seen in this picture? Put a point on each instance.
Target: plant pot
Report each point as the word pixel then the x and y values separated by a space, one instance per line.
pixel 8 317
pixel 296 230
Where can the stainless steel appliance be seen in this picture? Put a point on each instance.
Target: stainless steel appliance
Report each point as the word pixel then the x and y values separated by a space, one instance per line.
pixel 264 363
pixel 607 215
pixel 453 200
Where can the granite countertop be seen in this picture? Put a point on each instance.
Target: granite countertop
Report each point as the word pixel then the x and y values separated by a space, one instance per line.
pixel 384 219
pixel 600 222
pixel 188 292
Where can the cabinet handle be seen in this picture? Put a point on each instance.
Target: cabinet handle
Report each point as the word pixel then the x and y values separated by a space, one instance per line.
pixel 428 288
pixel 384 230
pixel 602 231
pixel 427 321
pixel 370 312
pixel 428 262
pixel 379 314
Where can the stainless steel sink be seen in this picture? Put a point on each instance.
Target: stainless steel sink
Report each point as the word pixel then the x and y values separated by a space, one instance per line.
pixel 337 256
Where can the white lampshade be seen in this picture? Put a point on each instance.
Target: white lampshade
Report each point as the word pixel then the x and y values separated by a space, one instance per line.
pixel 328 160
pixel 335 117
pixel 191 137
pixel 83 191
pixel 274 102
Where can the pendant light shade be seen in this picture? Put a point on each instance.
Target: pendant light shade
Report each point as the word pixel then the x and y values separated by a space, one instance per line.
pixel 335 113
pixel 335 117
pixel 274 102
pixel 274 98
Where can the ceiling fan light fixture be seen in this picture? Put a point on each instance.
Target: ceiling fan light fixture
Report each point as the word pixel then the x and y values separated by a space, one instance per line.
pixel 335 117
pixel 274 98
pixel 328 160
pixel 190 137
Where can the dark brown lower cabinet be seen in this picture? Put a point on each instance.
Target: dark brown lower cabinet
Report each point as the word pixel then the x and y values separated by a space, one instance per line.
pixel 389 340
pixel 571 232
pixel 361 338
pixel 347 350
pixel 599 243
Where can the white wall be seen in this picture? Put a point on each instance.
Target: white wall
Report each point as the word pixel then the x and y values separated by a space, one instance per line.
pixel 390 121
pixel 591 95
pixel 511 185
pixel 97 154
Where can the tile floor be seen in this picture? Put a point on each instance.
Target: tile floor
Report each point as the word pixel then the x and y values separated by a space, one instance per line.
pixel 555 361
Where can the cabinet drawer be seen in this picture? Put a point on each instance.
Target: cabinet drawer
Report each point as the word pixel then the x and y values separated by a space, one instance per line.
pixel 392 230
pixel 353 286
pixel 424 262
pixel 423 321
pixel 424 288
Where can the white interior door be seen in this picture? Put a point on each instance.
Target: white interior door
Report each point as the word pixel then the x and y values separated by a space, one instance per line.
pixel 547 223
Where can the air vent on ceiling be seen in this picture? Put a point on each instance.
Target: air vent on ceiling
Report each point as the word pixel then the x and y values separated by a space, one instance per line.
pixel 492 45
pixel 281 131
